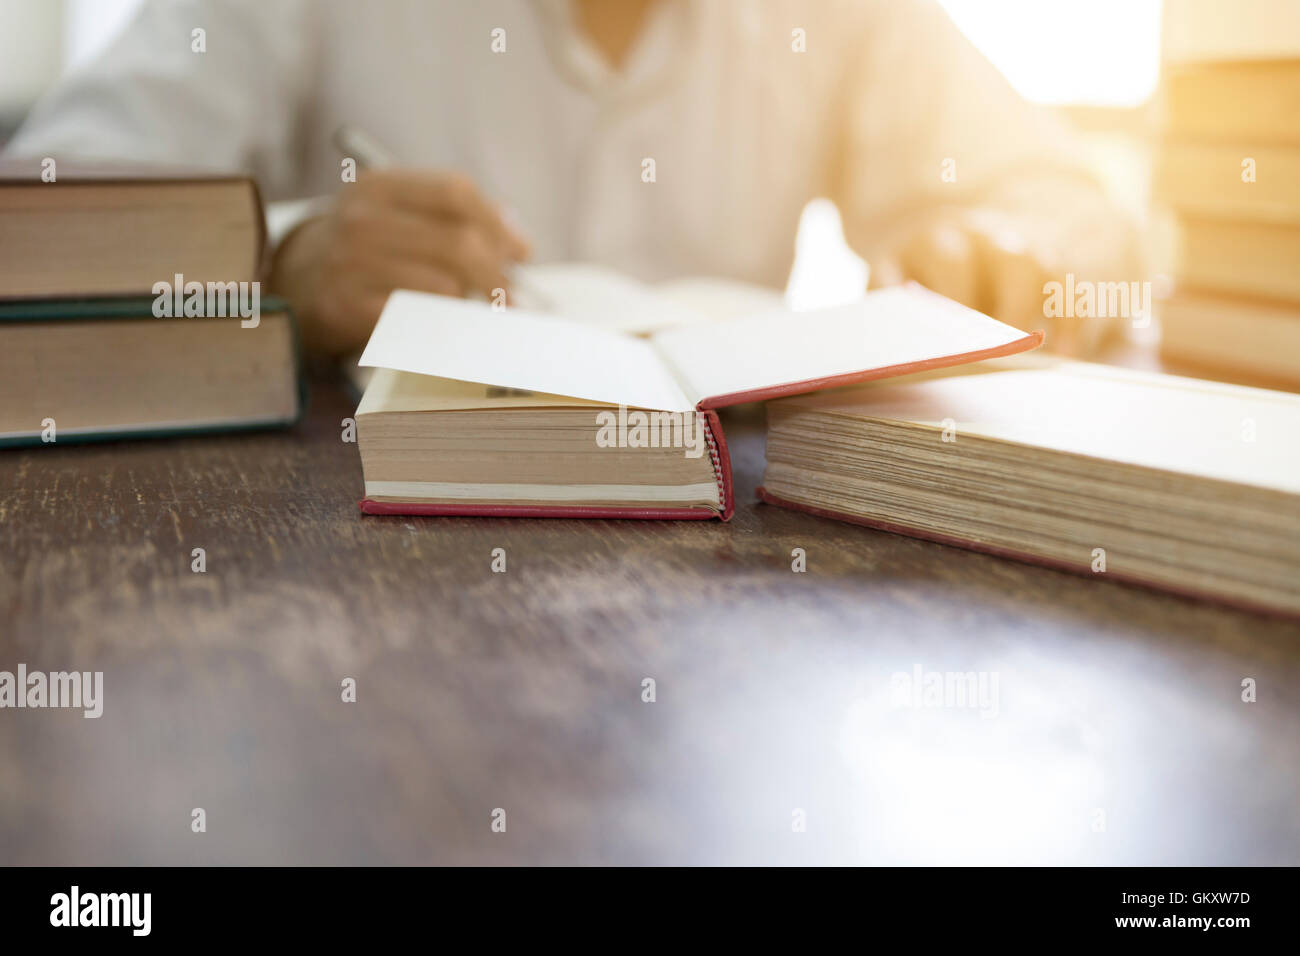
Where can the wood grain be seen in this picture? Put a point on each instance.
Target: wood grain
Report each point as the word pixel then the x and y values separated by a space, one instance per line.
pixel 522 690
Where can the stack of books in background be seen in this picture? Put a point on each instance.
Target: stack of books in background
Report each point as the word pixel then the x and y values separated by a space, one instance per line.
pixel 130 305
pixel 1230 169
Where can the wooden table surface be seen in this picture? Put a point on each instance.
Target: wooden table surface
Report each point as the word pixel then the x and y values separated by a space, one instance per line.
pixel 1117 733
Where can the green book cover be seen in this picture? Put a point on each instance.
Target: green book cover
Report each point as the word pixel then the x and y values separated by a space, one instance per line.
pixel 120 309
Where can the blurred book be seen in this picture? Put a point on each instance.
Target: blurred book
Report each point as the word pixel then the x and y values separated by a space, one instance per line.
pixel 1265 336
pixel 1251 258
pixel 1175 483
pixel 1204 179
pixel 1197 31
pixel 98 369
pixel 1231 102
pixel 130 305
pixel 115 230
pixel 604 297
pixel 1229 167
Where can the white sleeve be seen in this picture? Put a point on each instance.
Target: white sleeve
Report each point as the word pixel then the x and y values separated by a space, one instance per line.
pixel 228 98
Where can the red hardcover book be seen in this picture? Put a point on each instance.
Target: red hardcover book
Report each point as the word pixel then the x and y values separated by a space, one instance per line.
pixel 475 411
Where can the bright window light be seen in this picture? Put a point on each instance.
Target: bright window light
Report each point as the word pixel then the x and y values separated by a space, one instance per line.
pixel 1095 52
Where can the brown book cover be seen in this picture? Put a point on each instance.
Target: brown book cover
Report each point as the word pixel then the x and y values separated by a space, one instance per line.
pixel 75 229
pixel 1230 103
pixel 1237 181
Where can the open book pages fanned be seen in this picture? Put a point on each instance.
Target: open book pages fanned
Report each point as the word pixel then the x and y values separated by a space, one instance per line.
pixel 1181 484
pixel 490 411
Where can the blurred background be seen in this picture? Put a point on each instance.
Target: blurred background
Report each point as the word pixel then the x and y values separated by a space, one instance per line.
pixel 1130 75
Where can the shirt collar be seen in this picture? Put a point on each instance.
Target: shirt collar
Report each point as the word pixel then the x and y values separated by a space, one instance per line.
pixel 654 60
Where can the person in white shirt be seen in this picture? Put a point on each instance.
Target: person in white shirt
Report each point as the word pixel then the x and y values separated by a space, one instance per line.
pixel 657 137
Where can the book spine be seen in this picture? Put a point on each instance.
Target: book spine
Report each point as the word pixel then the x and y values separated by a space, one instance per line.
pixel 717 442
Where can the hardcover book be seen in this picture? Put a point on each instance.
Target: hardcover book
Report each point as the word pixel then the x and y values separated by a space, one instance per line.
pixel 86 230
pixel 104 369
pixel 1175 483
pixel 477 411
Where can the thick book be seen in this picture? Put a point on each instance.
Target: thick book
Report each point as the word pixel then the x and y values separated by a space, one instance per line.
pixel 1247 258
pixel 1252 338
pixel 1175 483
pixel 103 369
pixel 1235 104
pixel 102 230
pixel 1199 31
pixel 476 411
pixel 1237 181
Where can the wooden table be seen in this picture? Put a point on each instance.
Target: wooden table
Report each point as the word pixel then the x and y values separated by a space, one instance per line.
pixel 1117 733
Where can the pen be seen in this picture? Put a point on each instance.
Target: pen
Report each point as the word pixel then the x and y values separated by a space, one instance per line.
pixel 372 154
pixel 361 146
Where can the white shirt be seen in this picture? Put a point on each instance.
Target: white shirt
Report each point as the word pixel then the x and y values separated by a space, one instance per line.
pixel 743 125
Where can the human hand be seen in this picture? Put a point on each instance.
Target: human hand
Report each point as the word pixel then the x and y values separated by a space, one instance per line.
pixel 392 229
pixel 994 263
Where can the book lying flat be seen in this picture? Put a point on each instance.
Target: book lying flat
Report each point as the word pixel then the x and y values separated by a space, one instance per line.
pixel 1180 484
pixel 1249 258
pixel 1250 102
pixel 513 412
pixel 1257 339
pixel 76 371
pixel 102 230
pixel 1212 31
pixel 1205 180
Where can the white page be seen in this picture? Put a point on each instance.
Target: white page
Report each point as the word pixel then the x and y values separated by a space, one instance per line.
pixel 715 299
pixel 1181 425
pixel 886 328
pixel 513 348
pixel 600 297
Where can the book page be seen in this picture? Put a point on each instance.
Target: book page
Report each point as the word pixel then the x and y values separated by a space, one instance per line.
pixel 714 299
pixel 598 296
pixel 1181 425
pixel 514 348
pixel 393 391
pixel 892 327
pixel 608 299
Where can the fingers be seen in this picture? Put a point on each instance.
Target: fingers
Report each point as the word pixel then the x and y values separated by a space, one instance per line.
pixel 943 258
pixel 417 276
pixel 346 312
pixel 371 230
pixel 984 261
pixel 446 196
pixel 885 272
pixel 460 248
pixel 1015 280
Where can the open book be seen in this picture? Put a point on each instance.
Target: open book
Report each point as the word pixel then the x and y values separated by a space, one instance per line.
pixel 608 299
pixel 484 411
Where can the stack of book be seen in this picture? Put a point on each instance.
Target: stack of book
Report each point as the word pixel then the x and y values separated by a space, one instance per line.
pixel 1230 170
pixel 130 305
